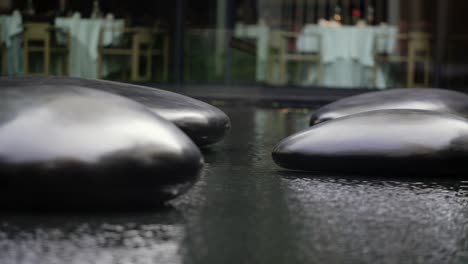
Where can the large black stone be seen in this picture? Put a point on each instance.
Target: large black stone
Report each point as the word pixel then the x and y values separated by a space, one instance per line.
pixel 439 100
pixel 414 142
pixel 72 146
pixel 203 123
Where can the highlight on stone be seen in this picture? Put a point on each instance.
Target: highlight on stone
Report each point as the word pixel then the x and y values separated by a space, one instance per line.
pixel 203 123
pixel 438 100
pixel 66 146
pixel 415 142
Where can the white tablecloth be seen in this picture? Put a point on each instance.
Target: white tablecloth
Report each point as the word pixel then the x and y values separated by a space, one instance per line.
pixel 11 29
pixel 347 53
pixel 84 34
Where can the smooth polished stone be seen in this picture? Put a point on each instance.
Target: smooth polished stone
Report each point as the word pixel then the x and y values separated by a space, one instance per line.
pixel 439 100
pixel 415 142
pixel 73 146
pixel 203 123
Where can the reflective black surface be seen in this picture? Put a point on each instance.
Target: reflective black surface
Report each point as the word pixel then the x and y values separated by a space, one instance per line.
pixel 245 209
pixel 67 146
pixel 203 123
pixel 439 100
pixel 383 142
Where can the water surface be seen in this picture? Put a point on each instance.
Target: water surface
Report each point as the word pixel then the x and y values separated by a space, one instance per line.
pixel 245 209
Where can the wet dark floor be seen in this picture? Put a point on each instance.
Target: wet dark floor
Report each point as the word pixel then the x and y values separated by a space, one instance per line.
pixel 247 210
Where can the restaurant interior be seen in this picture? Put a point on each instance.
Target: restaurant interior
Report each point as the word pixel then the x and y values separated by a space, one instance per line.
pixel 372 44
pixel 236 131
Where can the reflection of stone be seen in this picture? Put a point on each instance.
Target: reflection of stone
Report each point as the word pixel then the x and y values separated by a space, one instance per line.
pixel 422 99
pixel 203 123
pixel 69 145
pixel 380 142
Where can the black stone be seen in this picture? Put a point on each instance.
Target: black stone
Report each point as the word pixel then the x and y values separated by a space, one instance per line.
pixel 203 123
pixel 72 146
pixel 439 100
pixel 384 142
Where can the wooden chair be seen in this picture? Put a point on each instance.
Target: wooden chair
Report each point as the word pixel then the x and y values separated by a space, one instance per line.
pixel 419 51
pixel 281 54
pixel 4 56
pixel 37 38
pixel 142 44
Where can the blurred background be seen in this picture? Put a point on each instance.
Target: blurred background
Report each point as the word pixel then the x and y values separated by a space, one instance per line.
pixel 343 44
pixel 289 55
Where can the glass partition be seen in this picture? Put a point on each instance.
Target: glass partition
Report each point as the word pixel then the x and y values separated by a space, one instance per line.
pixel 347 44
pixel 331 44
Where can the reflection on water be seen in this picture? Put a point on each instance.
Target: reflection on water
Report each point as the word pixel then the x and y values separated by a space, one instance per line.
pixel 48 239
pixel 247 210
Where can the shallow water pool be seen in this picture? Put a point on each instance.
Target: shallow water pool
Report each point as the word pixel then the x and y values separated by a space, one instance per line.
pixel 245 209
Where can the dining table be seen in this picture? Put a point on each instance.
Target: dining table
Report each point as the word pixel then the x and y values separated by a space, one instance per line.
pixel 347 53
pixel 85 41
pixel 11 27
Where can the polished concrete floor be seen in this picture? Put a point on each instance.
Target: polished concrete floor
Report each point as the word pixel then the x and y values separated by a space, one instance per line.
pixel 245 209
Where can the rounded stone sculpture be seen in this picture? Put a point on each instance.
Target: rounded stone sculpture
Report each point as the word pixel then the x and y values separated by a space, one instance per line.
pixel 413 142
pixel 438 100
pixel 73 146
pixel 203 123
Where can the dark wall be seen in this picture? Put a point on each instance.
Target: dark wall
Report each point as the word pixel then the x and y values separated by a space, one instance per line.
pixel 455 45
pixel 140 11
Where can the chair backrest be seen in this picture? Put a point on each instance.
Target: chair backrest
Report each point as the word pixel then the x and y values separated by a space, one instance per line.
pixel 280 39
pixel 139 35
pixel 419 51
pixel 276 39
pixel 419 44
pixel 143 36
pixel 36 31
